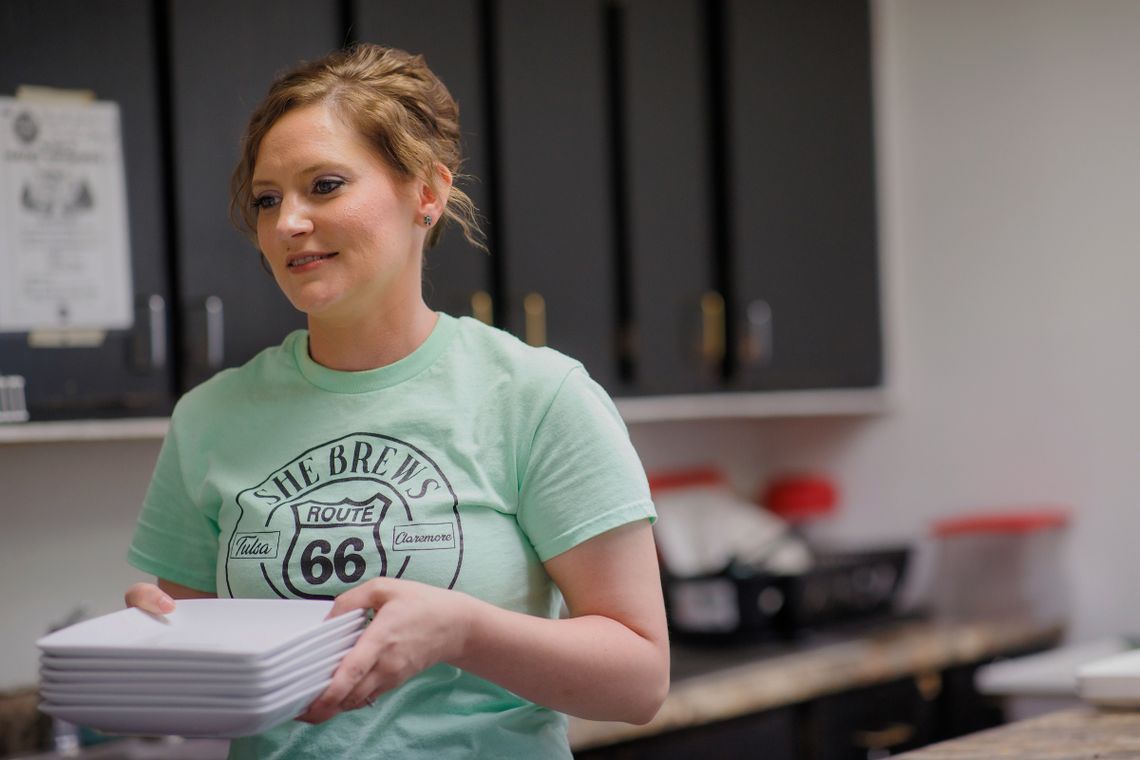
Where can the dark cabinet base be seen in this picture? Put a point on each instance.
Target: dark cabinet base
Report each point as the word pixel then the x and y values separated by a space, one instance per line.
pixel 770 735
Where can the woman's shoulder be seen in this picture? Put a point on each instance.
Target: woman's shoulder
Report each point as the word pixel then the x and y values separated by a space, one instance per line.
pixel 490 350
pixel 235 386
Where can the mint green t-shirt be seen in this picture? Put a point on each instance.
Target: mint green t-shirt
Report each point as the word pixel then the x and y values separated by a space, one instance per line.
pixel 465 465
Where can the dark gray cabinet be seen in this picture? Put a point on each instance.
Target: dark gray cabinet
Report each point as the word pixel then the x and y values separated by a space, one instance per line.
pixel 449 34
pixel 679 193
pixel 803 287
pixel 772 735
pixel 223 56
pixel 747 139
pixel 676 312
pixel 108 47
pixel 872 722
pixel 556 234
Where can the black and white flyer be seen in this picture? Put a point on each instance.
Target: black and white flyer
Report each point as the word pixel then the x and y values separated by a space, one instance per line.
pixel 64 241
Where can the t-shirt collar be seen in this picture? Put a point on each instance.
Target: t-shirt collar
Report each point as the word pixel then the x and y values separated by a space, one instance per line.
pixel 337 381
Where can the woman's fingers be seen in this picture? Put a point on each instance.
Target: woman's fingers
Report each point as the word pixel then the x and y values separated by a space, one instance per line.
pixel 356 679
pixel 368 595
pixel 150 598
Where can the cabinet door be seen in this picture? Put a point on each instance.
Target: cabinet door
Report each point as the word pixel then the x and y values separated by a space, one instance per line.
pixel 873 722
pixel 769 735
pixel 677 320
pixel 225 54
pixel 556 234
pixel 106 46
pixel 805 300
pixel 962 709
pixel 447 34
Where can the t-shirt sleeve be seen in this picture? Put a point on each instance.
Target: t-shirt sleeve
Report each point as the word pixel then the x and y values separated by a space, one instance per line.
pixel 175 538
pixel 582 476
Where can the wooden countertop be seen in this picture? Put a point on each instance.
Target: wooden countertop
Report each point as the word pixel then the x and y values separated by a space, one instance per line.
pixel 1083 733
pixel 714 685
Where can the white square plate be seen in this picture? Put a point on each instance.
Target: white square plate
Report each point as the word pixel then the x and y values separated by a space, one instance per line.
pixel 221 722
pixel 1112 681
pixel 64 668
pixel 215 629
pixel 180 686
pixel 127 699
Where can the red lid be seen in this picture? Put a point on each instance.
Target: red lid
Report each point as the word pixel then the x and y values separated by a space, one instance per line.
pixel 1019 521
pixel 700 476
pixel 799 498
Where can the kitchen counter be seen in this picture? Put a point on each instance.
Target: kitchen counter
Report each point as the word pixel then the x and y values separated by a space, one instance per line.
pixel 714 685
pixel 1082 733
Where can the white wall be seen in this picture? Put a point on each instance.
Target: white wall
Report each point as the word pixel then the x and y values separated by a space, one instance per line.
pixel 1009 152
pixel 67 512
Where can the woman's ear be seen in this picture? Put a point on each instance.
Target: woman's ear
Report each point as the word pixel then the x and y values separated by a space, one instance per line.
pixel 433 195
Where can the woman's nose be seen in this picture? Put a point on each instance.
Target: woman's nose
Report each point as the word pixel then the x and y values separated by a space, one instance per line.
pixel 293 219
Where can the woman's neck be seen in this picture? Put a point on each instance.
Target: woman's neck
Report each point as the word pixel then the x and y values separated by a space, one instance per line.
pixel 380 339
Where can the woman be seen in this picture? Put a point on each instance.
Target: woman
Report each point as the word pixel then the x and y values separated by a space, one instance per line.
pixel 435 470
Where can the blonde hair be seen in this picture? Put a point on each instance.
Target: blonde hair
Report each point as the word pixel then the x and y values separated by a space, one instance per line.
pixel 390 97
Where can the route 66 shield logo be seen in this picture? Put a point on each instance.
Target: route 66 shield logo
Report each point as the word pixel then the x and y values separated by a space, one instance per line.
pixel 331 542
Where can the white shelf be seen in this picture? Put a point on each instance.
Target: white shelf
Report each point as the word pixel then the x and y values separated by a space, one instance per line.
pixel 841 402
pixel 139 428
pixel 633 410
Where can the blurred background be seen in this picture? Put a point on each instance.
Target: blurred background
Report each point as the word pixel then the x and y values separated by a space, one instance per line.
pixel 890 242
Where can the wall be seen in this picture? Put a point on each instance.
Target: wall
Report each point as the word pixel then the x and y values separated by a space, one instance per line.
pixel 1009 148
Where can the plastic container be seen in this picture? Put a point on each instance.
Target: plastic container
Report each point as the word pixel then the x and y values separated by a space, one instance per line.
pixel 1002 565
pixel 800 498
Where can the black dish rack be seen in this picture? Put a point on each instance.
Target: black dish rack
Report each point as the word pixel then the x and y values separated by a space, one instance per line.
pixel 743 603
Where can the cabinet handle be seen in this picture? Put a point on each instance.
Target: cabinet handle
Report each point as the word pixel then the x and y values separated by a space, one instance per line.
pixel 929 685
pixel 712 327
pixel 156 323
pixel 215 333
pixel 757 346
pixel 148 339
pixel 884 738
pixel 482 307
pixel 534 306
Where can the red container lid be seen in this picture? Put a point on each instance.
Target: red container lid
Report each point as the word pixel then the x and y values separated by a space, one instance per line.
pixel 799 498
pixel 1018 521
pixel 696 477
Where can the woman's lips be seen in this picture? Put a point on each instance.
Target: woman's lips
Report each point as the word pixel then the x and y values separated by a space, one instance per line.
pixel 308 261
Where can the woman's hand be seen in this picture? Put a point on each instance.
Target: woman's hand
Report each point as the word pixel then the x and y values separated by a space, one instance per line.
pixel 149 598
pixel 158 598
pixel 415 627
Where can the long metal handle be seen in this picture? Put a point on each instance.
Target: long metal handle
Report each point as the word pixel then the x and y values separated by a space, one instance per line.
pixel 757 345
pixel 156 324
pixel 534 306
pixel 215 333
pixel 482 307
pixel 884 739
pixel 712 327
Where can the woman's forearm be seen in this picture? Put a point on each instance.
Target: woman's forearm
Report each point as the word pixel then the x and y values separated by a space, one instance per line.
pixel 590 666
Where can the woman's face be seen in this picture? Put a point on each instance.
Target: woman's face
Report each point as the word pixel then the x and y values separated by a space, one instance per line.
pixel 342 235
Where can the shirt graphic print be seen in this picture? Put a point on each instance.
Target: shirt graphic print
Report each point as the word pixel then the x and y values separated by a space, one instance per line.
pixel 361 506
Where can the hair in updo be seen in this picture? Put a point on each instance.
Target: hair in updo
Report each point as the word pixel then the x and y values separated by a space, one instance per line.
pixel 391 98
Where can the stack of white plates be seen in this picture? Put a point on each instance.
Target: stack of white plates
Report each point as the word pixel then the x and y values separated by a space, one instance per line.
pixel 1112 681
pixel 213 667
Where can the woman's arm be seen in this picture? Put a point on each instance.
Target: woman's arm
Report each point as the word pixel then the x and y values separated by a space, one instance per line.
pixel 608 661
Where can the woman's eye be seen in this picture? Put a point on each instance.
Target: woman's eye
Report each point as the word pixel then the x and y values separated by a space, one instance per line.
pixel 326 186
pixel 263 202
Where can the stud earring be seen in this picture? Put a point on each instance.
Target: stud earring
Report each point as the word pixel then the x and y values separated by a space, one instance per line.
pixel 427 221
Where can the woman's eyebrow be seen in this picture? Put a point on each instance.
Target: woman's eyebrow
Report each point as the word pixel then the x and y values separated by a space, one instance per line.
pixel 311 169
